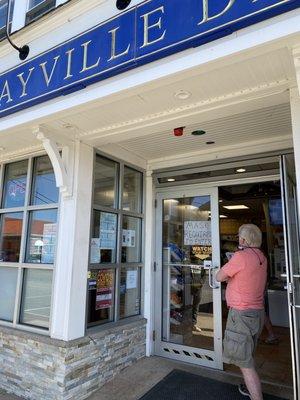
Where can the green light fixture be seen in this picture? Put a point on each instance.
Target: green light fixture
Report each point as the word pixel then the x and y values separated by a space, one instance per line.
pixel 199 132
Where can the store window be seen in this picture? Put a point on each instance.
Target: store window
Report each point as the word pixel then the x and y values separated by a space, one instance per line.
pixel 3 16
pixel 28 234
pixel 116 263
pixel 37 8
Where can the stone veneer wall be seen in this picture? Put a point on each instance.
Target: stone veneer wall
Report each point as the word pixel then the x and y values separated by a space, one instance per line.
pixel 37 367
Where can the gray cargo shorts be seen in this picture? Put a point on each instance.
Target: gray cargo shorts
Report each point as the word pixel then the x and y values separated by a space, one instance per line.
pixel 241 336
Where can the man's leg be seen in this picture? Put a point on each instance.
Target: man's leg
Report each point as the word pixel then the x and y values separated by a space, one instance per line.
pixel 252 382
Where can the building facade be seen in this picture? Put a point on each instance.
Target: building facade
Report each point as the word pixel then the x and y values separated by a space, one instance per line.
pixel 135 138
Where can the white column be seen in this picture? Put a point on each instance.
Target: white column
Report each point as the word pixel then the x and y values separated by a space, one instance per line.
pixel 149 259
pixel 70 275
pixel 295 111
pixel 19 15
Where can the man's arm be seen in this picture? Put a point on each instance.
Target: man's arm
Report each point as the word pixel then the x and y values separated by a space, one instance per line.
pixel 222 276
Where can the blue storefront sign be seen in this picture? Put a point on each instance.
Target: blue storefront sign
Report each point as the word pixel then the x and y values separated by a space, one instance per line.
pixel 147 32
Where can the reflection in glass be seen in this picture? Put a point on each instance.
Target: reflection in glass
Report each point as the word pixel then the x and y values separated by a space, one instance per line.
pixel 36 298
pixel 10 239
pixel 8 284
pixel 187 254
pixel 104 239
pixel 15 184
pixel 132 192
pixel 34 3
pixel 101 299
pixel 130 297
pixel 105 182
pixel 3 12
pixel 131 239
pixel 42 237
pixel 44 190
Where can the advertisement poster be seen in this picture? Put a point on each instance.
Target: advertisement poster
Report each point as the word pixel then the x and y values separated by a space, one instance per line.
pixel 197 233
pixel 128 238
pixel 108 231
pixel 105 287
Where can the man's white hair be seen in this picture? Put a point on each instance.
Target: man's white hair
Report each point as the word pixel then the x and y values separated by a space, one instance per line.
pixel 252 235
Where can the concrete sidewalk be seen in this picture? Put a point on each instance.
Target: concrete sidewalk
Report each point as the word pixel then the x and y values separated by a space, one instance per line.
pixel 137 380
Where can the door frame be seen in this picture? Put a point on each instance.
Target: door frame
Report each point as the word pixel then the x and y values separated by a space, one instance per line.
pixel 203 357
pixel 286 179
pixel 195 189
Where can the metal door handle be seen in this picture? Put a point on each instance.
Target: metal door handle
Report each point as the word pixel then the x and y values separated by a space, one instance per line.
pixel 210 278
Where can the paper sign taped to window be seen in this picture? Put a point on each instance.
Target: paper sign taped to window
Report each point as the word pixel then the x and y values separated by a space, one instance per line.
pixel 197 233
pixel 128 238
pixel 131 279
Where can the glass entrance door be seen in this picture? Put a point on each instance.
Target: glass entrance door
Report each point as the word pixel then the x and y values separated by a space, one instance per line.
pixel 292 256
pixel 188 299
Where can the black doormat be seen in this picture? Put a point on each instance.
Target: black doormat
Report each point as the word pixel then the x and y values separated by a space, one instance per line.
pixel 181 385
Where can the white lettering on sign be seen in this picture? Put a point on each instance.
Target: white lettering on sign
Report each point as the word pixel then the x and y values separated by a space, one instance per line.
pixel 157 24
pixel 207 17
pixel 197 233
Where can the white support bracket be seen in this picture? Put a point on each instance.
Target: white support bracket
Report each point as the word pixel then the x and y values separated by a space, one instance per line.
pixel 61 171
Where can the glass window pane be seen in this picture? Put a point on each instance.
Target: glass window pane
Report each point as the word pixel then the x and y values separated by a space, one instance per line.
pixel 41 241
pixel 101 299
pixel 132 191
pixel 131 239
pixel 34 3
pixel 15 184
pixel 106 177
pixel 8 284
pixel 44 190
pixel 3 12
pixel 10 239
pixel 104 240
pixel 36 297
pixel 187 254
pixel 130 292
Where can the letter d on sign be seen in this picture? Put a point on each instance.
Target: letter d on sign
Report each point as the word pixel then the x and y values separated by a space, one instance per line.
pixel 207 18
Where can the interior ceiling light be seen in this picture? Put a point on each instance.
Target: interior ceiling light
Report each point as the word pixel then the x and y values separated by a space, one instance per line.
pixel 182 95
pixel 198 132
pixel 241 170
pixel 173 201
pixel 237 207
pixel 223 216
pixel 171 179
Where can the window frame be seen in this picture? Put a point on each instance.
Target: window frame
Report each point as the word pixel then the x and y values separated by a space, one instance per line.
pixel 36 12
pixel 118 265
pixel 3 27
pixel 21 265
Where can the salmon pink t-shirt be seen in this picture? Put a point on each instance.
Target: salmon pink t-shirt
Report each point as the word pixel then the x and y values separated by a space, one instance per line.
pixel 247 279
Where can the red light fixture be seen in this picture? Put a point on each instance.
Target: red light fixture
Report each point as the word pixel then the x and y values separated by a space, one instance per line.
pixel 178 131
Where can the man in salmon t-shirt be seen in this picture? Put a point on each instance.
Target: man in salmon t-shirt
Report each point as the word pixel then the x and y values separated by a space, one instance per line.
pixel 246 277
